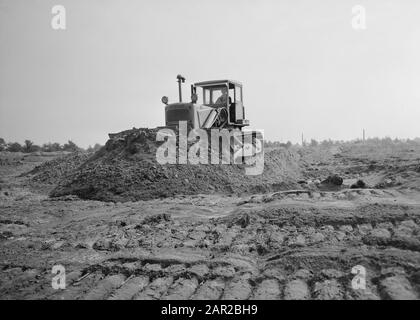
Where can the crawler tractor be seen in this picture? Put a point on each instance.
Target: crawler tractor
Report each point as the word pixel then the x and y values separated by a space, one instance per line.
pixel 214 104
pixel 220 107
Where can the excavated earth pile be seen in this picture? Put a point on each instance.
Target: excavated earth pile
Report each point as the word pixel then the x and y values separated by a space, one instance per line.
pixel 51 172
pixel 126 169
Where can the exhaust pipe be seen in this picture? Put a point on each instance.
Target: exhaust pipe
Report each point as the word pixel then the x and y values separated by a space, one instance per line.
pixel 180 80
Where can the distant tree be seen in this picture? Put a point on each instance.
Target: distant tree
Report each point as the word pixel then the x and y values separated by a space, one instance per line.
pixel 327 143
pixel 56 147
pixel 314 143
pixel 35 148
pixel 27 146
pixel 46 147
pixel 70 146
pixel 95 148
pixel 51 147
pixel 14 147
pixel 2 144
pixel 277 144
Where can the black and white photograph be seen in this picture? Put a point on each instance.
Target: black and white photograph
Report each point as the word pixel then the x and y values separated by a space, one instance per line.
pixel 207 155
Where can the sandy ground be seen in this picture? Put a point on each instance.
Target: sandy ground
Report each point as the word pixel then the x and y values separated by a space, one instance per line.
pixel 278 245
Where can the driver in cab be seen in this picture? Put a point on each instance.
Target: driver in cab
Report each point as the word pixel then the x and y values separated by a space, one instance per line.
pixel 224 98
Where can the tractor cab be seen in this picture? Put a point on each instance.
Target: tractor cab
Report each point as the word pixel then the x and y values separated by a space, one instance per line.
pixel 214 104
pixel 223 94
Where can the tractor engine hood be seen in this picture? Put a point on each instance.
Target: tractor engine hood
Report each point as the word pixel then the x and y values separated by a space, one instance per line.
pixel 176 112
pixel 197 116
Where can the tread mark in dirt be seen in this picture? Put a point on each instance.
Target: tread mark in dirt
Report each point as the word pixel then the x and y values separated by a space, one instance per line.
pixel 155 289
pixel 268 289
pixel 129 289
pixel 105 287
pixel 238 289
pixel 210 290
pixel 328 290
pixel 181 289
pixel 296 290
pixel 398 288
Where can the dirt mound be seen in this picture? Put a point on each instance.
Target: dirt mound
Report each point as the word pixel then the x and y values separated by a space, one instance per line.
pixel 360 184
pixel 51 172
pixel 335 180
pixel 125 169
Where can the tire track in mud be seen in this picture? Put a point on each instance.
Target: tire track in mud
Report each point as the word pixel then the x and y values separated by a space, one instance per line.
pixel 283 248
pixel 294 276
pixel 276 252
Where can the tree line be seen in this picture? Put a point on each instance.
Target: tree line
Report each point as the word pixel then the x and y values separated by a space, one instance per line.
pixel 328 143
pixel 30 146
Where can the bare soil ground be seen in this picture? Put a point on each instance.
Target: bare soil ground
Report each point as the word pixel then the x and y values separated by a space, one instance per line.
pixel 299 243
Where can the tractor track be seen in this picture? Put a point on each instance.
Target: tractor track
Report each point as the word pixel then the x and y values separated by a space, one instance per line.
pixel 284 248
pixel 207 281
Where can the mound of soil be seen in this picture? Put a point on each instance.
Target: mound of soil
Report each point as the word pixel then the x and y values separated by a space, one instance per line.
pixel 125 169
pixel 51 172
pixel 335 180
pixel 360 184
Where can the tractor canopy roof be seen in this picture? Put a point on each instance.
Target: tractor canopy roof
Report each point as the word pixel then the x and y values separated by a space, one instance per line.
pixel 217 82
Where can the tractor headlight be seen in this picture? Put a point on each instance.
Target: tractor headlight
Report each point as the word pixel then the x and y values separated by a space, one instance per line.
pixel 164 99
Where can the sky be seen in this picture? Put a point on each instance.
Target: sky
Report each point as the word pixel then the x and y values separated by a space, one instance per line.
pixel 303 66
